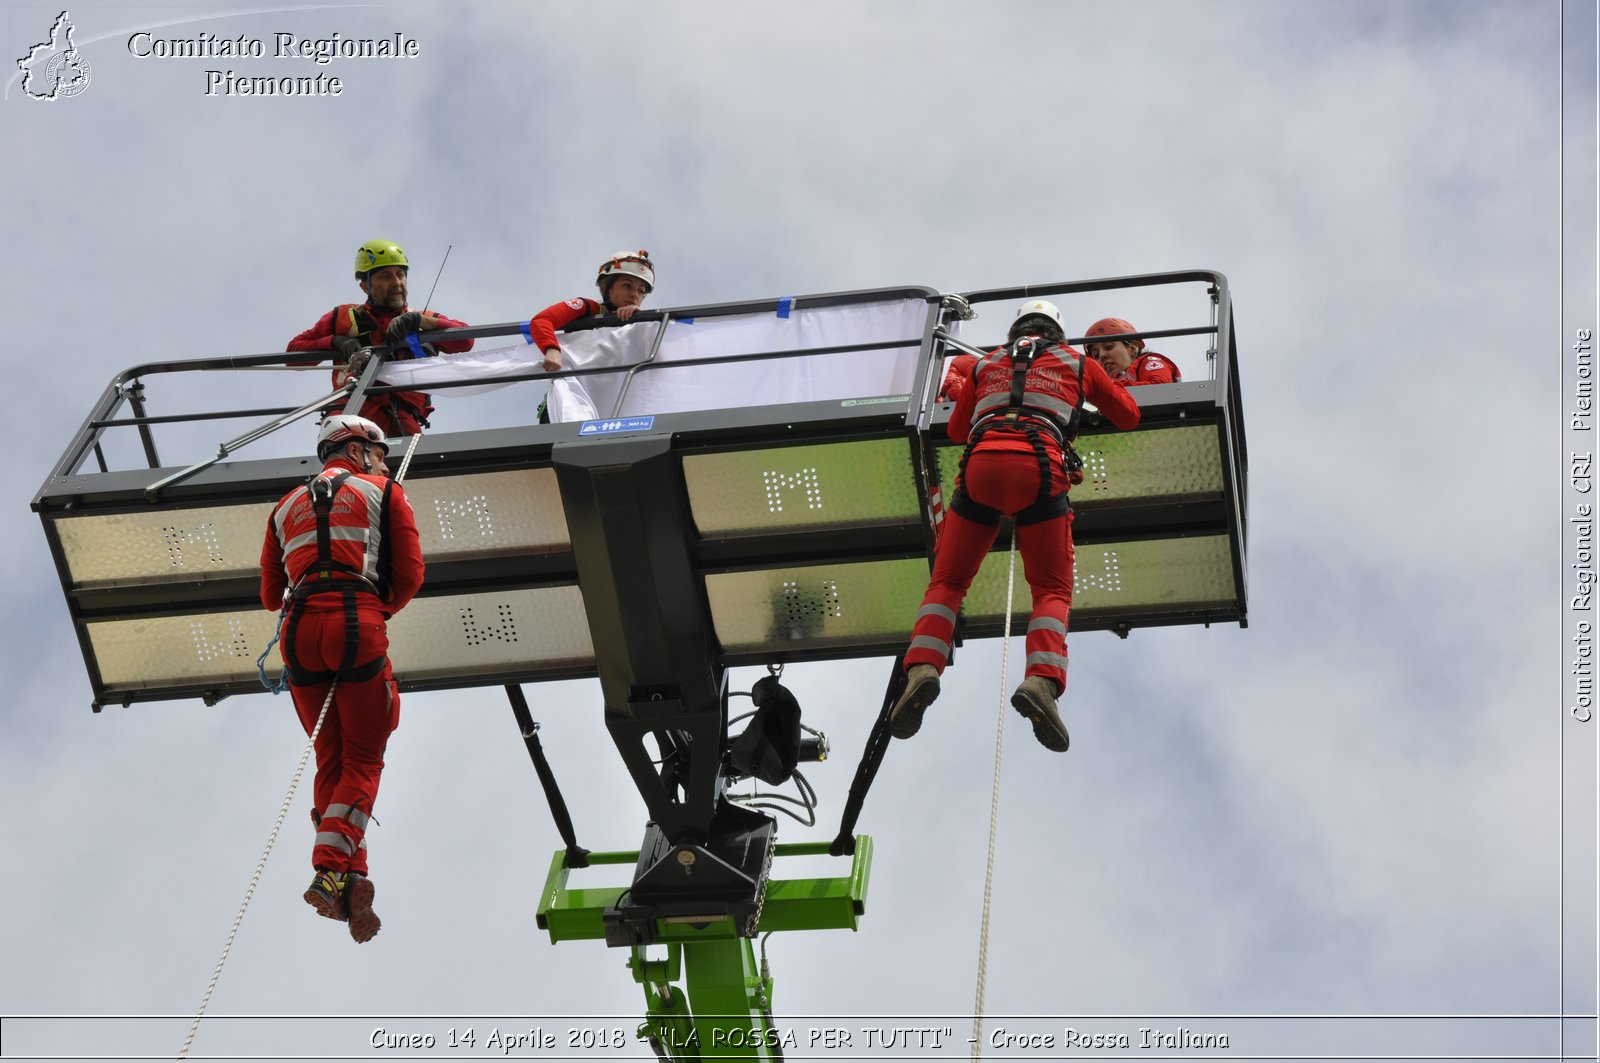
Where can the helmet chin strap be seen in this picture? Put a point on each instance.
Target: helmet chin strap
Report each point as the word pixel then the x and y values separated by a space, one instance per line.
pixel 366 458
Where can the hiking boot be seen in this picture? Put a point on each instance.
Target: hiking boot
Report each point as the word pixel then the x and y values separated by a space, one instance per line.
pixel 1036 699
pixel 358 894
pixel 922 686
pixel 326 895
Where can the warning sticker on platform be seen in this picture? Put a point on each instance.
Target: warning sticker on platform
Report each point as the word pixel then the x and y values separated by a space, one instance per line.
pixel 617 425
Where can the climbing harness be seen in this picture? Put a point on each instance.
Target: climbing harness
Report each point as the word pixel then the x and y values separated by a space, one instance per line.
pixel 277 825
pixel 363 327
pixel 1033 413
pixel 318 579
pixel 994 811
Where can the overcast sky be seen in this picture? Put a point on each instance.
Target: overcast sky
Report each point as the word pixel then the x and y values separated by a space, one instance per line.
pixel 1351 807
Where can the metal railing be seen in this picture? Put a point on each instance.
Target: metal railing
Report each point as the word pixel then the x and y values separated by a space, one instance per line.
pixel 128 388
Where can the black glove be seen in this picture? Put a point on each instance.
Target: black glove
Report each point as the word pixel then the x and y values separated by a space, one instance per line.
pixel 345 346
pixel 402 326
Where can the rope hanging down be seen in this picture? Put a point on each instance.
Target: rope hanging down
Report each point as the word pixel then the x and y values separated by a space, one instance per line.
pixel 277 825
pixel 994 809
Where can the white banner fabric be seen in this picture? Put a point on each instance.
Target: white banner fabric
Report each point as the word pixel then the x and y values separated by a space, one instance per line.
pixel 684 387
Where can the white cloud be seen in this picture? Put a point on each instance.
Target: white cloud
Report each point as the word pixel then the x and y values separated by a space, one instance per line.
pixel 1350 804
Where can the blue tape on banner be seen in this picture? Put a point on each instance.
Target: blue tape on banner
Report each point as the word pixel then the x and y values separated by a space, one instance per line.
pixel 416 346
pixel 785 305
pixel 527 331
pixel 683 321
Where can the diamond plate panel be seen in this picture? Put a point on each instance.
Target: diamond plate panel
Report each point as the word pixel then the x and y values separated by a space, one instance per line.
pixel 451 635
pixel 1169 464
pixel 458 517
pixel 826 485
pixel 119 549
pixel 815 606
pixel 1111 579
pixel 180 650
pixel 495 631
pixel 486 514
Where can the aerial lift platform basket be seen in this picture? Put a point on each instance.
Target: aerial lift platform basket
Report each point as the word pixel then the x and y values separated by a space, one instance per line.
pixel 655 550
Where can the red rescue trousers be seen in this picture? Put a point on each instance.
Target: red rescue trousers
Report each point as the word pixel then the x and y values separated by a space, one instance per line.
pixel 356 729
pixel 1006 480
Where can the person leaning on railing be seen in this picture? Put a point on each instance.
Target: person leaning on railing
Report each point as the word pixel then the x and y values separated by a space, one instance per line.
pixel 1126 360
pixel 347 329
pixel 624 280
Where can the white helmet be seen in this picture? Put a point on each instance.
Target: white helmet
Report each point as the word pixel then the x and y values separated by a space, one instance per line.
pixel 1038 308
pixel 631 263
pixel 341 428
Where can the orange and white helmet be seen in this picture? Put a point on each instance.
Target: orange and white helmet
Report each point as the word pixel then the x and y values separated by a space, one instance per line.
pixel 341 428
pixel 1114 326
pixel 1043 310
pixel 629 263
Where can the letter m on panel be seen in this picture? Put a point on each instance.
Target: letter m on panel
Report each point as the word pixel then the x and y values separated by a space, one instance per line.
pixel 502 627
pixel 781 484
pixel 467 516
pixel 187 547
pixel 211 645
pixel 1107 577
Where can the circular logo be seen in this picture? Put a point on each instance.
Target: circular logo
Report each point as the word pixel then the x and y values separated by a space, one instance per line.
pixel 67 74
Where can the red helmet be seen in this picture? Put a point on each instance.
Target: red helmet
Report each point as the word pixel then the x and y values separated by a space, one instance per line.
pixel 1114 326
pixel 628 263
pixel 341 428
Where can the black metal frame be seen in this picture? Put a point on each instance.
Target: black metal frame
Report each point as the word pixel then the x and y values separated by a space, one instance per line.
pixel 70 491
pixel 641 565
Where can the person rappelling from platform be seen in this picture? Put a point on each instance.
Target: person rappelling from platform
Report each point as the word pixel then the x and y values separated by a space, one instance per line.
pixel 342 556
pixel 1018 412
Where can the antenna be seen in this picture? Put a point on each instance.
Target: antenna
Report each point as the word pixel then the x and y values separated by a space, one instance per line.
pixel 436 277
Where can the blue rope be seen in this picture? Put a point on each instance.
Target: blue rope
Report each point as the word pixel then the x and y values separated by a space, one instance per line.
pixel 281 684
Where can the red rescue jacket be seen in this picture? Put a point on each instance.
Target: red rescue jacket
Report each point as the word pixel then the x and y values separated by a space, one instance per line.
pixel 372 540
pixel 1150 368
pixel 1050 397
pixel 398 413
pixel 542 328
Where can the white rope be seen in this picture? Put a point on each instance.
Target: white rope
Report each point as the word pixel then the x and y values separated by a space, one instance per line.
pixel 261 865
pixel 994 808
pixel 405 464
pixel 277 825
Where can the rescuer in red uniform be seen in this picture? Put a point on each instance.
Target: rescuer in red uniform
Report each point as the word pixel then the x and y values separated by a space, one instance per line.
pixel 1018 417
pixel 344 549
pixel 1128 363
pixel 624 280
pixel 381 271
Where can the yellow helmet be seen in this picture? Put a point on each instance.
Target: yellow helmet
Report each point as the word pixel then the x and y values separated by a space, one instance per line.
pixel 376 254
